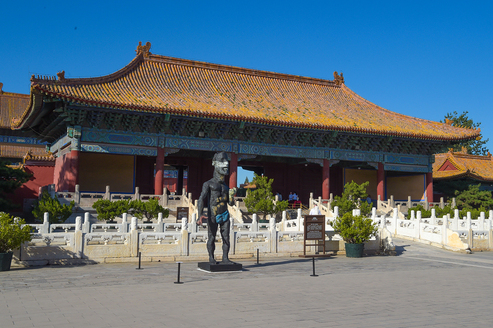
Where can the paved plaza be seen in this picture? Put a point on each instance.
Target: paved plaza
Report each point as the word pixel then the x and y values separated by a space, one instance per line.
pixel 420 287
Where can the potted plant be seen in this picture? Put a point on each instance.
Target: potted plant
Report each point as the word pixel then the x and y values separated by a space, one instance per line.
pixel 13 232
pixel 355 231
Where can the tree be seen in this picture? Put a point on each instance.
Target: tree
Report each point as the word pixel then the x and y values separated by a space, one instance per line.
pixel 474 147
pixel 10 179
pixel 262 200
pixel 148 210
pixel 58 213
pixel 353 197
pixel 246 180
pixel 474 198
pixel 108 210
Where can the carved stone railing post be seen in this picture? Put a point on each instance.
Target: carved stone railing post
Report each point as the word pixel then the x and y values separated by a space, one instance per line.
pixel 77 195
pixel 164 199
pixel 46 223
pixel 254 226
pixel 78 237
pixel 86 226
pixel 137 194
pixel 444 230
pixel 124 223
pixel 107 195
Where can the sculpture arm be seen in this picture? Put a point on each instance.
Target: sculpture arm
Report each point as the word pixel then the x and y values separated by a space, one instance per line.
pixel 203 196
pixel 231 195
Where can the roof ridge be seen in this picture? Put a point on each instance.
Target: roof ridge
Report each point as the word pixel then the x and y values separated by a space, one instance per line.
pixel 239 70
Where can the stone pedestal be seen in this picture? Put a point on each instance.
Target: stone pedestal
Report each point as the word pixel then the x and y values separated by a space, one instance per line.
pixel 220 267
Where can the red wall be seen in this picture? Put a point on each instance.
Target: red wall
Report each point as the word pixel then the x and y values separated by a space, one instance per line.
pixel 65 175
pixel 42 176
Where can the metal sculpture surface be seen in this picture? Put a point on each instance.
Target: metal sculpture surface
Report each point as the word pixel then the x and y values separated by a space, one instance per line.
pixel 217 195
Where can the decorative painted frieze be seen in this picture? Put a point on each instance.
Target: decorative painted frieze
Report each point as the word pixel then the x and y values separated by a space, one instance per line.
pixel 406 168
pixel 201 144
pixel 280 151
pixel 360 156
pixel 21 140
pixel 110 149
pixel 407 159
pixel 121 138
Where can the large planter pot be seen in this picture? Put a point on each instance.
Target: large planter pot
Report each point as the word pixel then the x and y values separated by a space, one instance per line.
pixel 354 250
pixel 5 260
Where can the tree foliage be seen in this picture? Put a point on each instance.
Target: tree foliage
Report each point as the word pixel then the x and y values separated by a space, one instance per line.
pixel 353 197
pixel 107 210
pixel 147 210
pixel 12 232
pixel 474 198
pixel 354 229
pixel 474 147
pixel 10 179
pixel 262 200
pixel 58 213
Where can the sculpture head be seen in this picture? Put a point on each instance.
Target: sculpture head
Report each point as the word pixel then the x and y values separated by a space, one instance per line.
pixel 220 163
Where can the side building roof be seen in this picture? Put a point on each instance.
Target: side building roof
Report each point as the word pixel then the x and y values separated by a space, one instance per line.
pixel 159 84
pixel 13 143
pixel 456 165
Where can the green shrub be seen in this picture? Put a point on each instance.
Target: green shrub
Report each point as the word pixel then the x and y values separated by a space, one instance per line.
pixel 353 197
pixel 12 233
pixel 262 199
pixel 58 213
pixel 147 210
pixel 355 229
pixel 107 210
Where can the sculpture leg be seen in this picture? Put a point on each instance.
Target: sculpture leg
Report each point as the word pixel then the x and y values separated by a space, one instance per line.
pixel 211 240
pixel 225 227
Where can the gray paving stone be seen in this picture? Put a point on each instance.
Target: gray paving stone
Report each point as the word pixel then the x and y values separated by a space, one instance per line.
pixel 422 286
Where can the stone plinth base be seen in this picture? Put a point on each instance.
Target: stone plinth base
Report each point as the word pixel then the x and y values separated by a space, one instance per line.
pixel 206 266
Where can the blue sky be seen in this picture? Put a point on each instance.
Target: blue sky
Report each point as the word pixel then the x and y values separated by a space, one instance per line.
pixel 419 58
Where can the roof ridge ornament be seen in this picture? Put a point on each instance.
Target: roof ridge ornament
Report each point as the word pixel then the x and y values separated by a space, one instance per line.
pixel 338 79
pixel 143 49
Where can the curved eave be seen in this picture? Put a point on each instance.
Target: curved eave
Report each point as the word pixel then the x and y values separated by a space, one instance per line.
pixel 466 174
pixel 35 103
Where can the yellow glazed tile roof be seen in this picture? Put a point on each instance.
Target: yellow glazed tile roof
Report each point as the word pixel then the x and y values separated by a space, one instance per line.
pixel 476 167
pixel 11 105
pixel 160 84
pixel 19 151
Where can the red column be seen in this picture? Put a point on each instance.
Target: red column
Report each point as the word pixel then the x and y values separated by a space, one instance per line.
pixel 158 178
pixel 429 186
pixel 233 171
pixel 381 182
pixel 326 179
pixel 73 172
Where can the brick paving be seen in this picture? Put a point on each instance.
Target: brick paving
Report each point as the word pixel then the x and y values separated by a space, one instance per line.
pixel 420 287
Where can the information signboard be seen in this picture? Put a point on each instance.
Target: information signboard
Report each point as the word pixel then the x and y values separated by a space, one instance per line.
pixel 181 213
pixel 314 231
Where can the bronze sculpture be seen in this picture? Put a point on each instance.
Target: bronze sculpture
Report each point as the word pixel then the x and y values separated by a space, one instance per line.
pixel 217 195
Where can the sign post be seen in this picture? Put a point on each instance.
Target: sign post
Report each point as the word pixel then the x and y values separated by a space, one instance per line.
pixel 314 231
pixel 181 213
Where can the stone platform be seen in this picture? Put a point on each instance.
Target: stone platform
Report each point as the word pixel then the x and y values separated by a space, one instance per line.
pixel 220 267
